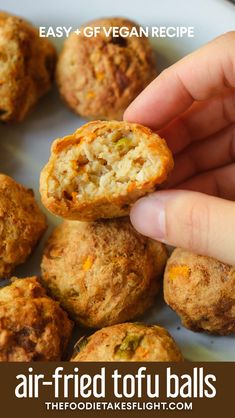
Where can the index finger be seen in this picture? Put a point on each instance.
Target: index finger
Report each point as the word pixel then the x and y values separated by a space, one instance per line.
pixel 199 76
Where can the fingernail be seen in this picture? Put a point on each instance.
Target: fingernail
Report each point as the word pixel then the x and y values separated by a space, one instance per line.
pixel 148 217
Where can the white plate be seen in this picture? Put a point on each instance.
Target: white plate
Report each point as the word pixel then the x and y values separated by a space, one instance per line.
pixel 24 148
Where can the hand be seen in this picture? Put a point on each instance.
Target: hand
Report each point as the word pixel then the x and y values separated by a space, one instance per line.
pixel 192 105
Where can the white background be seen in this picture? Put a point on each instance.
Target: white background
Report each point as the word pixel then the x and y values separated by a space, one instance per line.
pixel 24 148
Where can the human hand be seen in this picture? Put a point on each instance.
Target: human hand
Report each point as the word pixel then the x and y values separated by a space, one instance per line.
pixel 192 105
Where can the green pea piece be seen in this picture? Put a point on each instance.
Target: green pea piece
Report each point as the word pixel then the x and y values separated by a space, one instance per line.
pixel 123 143
pixel 128 347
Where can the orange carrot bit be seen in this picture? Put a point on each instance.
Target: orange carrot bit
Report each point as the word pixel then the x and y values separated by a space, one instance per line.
pixel 87 263
pixel 176 272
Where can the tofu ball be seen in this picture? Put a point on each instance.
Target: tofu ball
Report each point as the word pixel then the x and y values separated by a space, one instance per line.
pixel 33 327
pixel 99 76
pixel 103 168
pixel 201 290
pixel 102 272
pixel 128 342
pixel 21 224
pixel 27 65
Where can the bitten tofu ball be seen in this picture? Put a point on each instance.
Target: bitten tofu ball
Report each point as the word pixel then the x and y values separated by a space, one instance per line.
pixel 27 64
pixel 102 272
pixel 99 76
pixel 201 290
pixel 128 342
pixel 33 327
pixel 21 224
pixel 103 168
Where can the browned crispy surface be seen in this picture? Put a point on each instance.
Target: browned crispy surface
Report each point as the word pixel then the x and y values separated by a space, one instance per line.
pixel 114 176
pixel 128 342
pixel 202 291
pixel 26 67
pixel 102 272
pixel 99 76
pixel 21 224
pixel 33 327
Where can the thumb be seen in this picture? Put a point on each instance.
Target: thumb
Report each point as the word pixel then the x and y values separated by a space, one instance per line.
pixel 194 221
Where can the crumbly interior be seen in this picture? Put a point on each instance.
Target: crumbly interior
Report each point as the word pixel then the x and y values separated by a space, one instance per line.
pixel 110 164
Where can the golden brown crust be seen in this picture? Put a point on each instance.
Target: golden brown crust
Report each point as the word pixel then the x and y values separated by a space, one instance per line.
pixel 128 342
pixel 99 76
pixel 110 203
pixel 202 292
pixel 102 272
pixel 33 327
pixel 21 224
pixel 27 65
